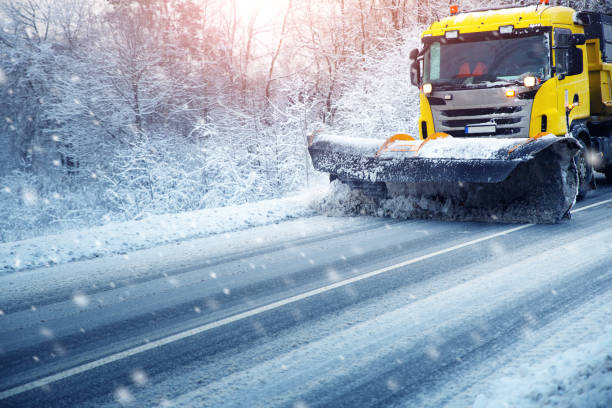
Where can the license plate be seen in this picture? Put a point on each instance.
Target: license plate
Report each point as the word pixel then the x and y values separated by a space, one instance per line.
pixel 474 129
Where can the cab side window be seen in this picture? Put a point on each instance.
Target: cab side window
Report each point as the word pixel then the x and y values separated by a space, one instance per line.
pixel 568 58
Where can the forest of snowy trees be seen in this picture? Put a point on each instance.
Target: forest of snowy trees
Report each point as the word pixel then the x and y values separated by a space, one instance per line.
pixel 115 109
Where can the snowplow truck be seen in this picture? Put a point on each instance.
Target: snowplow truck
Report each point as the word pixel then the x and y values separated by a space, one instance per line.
pixel 515 116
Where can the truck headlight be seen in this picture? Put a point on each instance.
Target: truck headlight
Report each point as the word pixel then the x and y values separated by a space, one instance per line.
pixel 530 81
pixel 427 88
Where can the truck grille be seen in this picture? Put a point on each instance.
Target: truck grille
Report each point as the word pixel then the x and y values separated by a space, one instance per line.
pixel 510 120
pixel 465 122
pixel 482 111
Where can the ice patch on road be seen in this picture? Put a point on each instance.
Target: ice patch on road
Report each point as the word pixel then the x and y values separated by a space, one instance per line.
pixel 580 377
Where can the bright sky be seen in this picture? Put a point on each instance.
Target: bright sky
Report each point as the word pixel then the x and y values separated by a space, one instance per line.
pixel 268 9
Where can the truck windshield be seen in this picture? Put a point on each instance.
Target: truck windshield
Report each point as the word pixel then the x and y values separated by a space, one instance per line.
pixel 480 63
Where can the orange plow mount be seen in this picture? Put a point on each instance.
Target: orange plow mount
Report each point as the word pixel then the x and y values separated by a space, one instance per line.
pixel 491 179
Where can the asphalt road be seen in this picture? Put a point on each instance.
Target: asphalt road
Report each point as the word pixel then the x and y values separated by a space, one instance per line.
pixel 374 312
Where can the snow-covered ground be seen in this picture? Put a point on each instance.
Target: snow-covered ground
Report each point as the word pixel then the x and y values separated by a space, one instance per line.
pixel 125 237
pixel 580 377
pixel 264 241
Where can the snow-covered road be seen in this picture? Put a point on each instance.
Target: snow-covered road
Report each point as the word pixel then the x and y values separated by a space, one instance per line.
pixel 323 312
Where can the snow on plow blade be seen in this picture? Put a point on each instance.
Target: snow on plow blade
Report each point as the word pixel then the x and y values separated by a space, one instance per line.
pixel 506 180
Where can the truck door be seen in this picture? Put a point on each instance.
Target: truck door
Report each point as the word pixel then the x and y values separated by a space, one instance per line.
pixel 572 77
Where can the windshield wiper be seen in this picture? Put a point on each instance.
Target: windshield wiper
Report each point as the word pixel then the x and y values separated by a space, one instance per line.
pixel 495 83
pixel 449 86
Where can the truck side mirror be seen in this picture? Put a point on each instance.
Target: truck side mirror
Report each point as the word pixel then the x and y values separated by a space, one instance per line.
pixel 574 61
pixel 562 40
pixel 569 62
pixel 414 54
pixel 561 62
pixel 415 74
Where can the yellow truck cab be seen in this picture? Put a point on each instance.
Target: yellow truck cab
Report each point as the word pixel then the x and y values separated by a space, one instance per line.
pixel 520 72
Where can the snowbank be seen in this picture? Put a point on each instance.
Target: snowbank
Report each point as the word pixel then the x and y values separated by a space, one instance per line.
pixel 124 237
pixel 580 377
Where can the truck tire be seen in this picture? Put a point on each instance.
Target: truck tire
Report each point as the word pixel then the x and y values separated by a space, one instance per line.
pixel 608 172
pixel 585 169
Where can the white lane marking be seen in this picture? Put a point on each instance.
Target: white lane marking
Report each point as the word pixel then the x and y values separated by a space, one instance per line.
pixel 258 310
pixel 593 205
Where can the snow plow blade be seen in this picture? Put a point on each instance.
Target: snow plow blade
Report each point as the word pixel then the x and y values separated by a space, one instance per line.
pixel 491 179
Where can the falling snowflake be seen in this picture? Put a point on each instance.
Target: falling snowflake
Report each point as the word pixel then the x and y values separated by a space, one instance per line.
pixel 476 338
pixel 300 404
pixel 123 395
pixel 226 291
pixel 139 377
pixel 432 352
pixel 80 299
pixel 332 275
pixel 213 275
pixel 392 385
pixel 29 197
pixel 58 349
pixel 46 332
pixel 212 304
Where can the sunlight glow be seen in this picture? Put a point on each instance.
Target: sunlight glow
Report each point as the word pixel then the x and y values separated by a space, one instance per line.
pixel 264 10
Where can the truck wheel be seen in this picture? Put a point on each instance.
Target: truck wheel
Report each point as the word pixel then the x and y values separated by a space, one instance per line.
pixel 608 172
pixel 585 171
